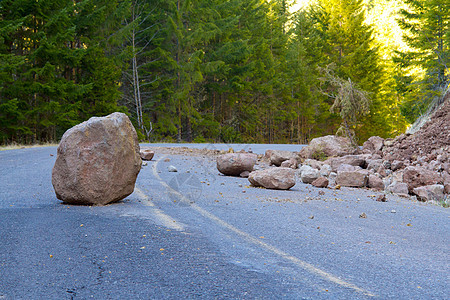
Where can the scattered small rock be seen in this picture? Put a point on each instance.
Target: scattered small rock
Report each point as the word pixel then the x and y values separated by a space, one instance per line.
pixel 172 169
pixel 381 198
pixel 167 159
pixel 363 216
pixel 393 211
pixel 146 154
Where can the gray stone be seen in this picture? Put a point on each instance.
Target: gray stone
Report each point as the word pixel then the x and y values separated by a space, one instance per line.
pixel 308 174
pixel 398 188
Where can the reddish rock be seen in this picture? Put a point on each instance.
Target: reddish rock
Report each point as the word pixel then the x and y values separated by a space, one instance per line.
pixel 147 154
pixel 356 178
pixel 233 164
pixel 375 182
pixel 321 182
pixel 327 146
pixel 381 198
pixel 433 192
pixel 98 161
pixel 417 176
pixel 273 178
pixel 373 145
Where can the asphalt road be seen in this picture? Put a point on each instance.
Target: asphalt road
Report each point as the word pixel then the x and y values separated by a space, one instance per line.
pixel 197 234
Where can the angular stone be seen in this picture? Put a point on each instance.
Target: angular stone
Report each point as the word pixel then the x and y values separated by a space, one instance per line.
pixel 417 176
pixel 308 174
pixel 313 163
pixel 374 164
pixel 433 192
pixel 233 164
pixel 325 170
pixel 356 178
pixel 290 163
pixel 398 188
pixel 273 178
pixel 276 157
pixel 373 144
pixel 321 182
pixel 353 160
pixel 98 161
pixel 375 183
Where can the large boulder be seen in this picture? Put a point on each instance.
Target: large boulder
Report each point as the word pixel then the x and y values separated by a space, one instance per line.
pixel 273 178
pixel 98 161
pixel 276 157
pixel 327 146
pixel 357 178
pixel 417 176
pixel 434 192
pixel 234 164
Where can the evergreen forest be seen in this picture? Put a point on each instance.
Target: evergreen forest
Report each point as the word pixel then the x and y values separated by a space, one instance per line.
pixel 243 71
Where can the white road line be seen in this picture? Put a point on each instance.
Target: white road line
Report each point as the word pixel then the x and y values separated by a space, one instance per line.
pixel 161 217
pixel 251 239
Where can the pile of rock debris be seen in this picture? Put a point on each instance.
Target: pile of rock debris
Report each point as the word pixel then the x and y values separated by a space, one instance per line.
pixel 416 165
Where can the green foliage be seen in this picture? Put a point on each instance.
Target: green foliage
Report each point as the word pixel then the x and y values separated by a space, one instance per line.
pixel 423 72
pixel 213 70
pixel 350 102
pixel 55 68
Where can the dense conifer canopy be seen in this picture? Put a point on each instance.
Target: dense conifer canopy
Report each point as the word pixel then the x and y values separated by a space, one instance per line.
pixel 219 71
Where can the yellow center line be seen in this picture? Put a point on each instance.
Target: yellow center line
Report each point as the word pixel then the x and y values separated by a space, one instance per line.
pixel 251 239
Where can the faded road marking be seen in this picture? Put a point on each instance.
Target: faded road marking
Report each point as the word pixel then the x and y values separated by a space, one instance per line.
pixel 160 216
pixel 249 238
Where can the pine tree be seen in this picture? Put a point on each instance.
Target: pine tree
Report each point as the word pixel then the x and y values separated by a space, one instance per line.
pixel 423 70
pixel 350 46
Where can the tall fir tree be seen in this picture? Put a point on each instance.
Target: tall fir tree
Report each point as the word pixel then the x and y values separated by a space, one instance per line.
pixel 423 70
